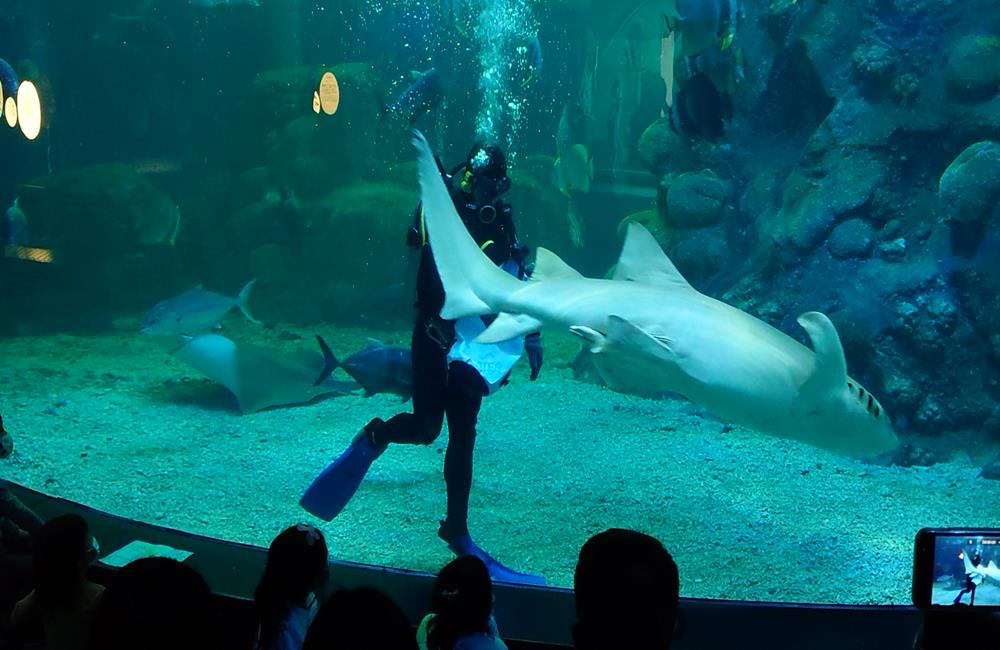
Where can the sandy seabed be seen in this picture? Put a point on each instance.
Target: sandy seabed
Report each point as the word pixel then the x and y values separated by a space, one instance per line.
pixel 116 423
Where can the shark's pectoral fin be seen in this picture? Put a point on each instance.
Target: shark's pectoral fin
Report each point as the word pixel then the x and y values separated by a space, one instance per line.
pixel 508 326
pixel 829 371
pixel 630 360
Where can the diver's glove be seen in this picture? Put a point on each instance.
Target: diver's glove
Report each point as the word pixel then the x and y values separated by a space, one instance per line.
pixel 533 346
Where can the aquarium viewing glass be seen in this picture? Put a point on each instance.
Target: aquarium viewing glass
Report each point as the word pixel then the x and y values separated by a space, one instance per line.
pixel 212 244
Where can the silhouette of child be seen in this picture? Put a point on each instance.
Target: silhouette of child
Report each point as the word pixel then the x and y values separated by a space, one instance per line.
pixel 461 615
pixel 287 596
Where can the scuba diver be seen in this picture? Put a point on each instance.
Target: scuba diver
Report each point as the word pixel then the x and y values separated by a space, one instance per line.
pixel 973 578
pixel 451 371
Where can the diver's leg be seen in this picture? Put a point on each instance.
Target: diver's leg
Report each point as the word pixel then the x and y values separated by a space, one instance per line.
pixel 430 381
pixel 330 492
pixel 466 390
pixel 465 397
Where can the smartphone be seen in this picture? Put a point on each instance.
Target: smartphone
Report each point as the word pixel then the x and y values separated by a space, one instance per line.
pixel 955 567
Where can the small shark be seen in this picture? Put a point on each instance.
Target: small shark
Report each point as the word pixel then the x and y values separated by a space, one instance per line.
pixel 650 331
pixel 260 377
pixel 379 368
pixel 991 570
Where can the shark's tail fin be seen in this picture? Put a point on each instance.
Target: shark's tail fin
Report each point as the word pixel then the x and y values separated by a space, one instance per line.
pixel 330 362
pixel 473 284
pixel 241 301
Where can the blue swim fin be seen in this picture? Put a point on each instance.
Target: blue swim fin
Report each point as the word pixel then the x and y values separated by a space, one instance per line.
pixel 463 545
pixel 329 492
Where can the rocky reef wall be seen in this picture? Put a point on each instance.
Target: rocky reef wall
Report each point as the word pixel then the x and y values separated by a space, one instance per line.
pixel 860 176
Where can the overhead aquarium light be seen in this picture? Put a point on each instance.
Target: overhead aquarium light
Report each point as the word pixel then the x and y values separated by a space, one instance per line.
pixel 29 110
pixel 19 103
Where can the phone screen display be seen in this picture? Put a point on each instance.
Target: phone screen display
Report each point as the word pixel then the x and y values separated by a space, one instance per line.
pixel 965 570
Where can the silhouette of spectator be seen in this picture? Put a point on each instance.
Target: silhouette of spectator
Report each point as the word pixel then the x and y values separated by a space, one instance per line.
pixel 17 524
pixel 461 615
pixel 286 599
pixel 626 588
pixel 61 606
pixel 157 604
pixel 360 619
pixel 6 441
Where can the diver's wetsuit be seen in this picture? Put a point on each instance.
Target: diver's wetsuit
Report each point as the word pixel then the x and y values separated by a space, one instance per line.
pixel 441 389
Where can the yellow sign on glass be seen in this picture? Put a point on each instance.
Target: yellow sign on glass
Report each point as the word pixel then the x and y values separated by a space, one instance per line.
pixel 329 93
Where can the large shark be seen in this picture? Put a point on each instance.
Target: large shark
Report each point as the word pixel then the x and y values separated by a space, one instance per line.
pixel 650 331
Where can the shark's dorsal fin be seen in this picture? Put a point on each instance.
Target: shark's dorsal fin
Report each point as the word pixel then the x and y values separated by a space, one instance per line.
pixel 642 260
pixel 549 266
pixel 829 371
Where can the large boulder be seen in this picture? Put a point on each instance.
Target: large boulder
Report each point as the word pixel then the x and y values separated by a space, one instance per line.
pixel 973 68
pixel 820 196
pixel 852 238
pixel 874 67
pixel 662 150
pixel 699 254
pixel 970 186
pixel 696 200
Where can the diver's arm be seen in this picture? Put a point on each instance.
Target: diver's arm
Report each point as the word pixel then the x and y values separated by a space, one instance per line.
pixel 533 347
pixel 519 253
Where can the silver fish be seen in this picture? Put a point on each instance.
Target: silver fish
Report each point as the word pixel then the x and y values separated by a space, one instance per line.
pixel 194 312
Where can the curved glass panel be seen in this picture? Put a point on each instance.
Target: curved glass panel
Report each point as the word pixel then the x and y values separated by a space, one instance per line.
pixel 789 369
